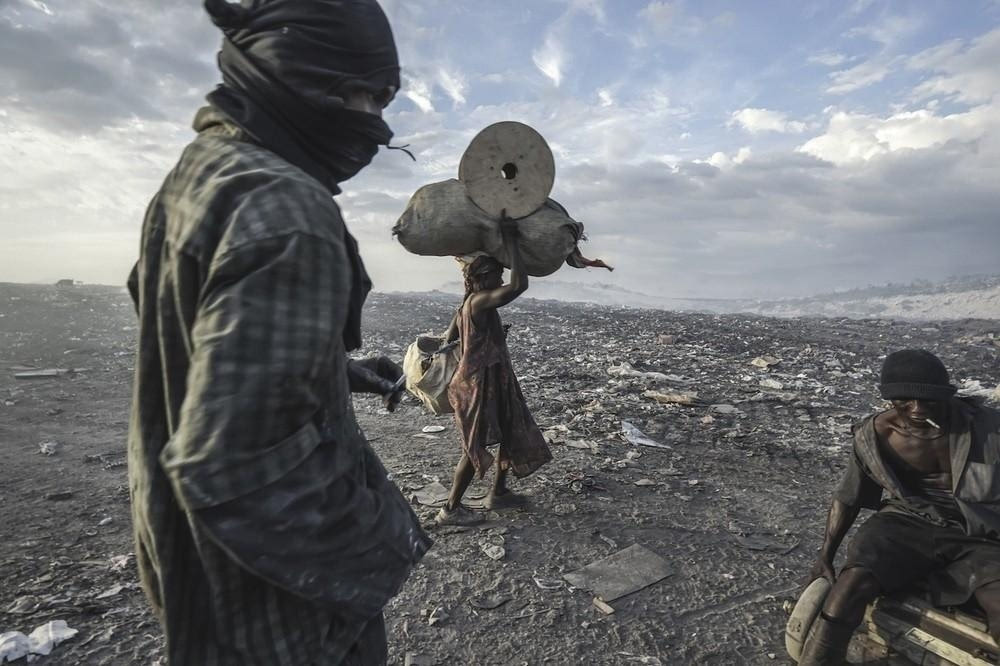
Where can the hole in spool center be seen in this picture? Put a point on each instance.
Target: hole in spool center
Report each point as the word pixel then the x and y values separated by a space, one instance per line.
pixel 508 171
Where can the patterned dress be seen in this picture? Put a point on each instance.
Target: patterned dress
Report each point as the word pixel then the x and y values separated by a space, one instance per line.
pixel 489 406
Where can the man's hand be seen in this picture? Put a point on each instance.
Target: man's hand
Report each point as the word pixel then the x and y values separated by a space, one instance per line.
pixel 377 374
pixel 823 569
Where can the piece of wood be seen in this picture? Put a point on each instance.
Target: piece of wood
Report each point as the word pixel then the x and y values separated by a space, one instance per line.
pixel 38 374
pixel 916 643
pixel 964 625
pixel 603 607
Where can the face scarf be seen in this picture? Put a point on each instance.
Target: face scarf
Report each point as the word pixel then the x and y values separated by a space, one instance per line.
pixel 285 65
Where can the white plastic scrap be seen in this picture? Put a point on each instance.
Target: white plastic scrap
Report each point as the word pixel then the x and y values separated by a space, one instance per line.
pixel 974 387
pixel 626 369
pixel 14 644
pixel 49 635
pixel 636 437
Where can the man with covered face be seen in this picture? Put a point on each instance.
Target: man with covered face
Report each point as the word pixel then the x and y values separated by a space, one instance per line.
pixel 930 467
pixel 266 529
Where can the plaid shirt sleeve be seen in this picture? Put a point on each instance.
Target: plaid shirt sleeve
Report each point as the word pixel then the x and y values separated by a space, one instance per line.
pixel 267 456
pixel 266 331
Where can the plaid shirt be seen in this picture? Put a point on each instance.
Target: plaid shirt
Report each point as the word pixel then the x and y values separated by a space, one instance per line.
pixel 266 530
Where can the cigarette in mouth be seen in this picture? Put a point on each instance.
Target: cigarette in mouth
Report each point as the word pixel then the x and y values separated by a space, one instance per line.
pixel 933 424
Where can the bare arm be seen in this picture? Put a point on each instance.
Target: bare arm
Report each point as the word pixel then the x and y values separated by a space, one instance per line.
pixel 451 334
pixel 497 298
pixel 838 522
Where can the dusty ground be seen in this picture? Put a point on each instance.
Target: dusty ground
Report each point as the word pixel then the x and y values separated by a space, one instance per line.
pixel 735 506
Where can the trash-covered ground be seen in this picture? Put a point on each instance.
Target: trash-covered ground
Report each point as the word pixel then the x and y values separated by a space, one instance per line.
pixel 712 442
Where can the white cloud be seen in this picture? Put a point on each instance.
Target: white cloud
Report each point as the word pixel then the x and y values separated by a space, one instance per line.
pixel 764 120
pixel 854 137
pixel 971 76
pixel 74 202
pixel 453 84
pixel 861 76
pixel 722 161
pixel 828 59
pixel 418 92
pixel 887 31
pixel 605 96
pixel 41 6
pixel 549 59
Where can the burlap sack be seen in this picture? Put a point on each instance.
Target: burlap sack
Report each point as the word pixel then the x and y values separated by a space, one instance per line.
pixel 440 220
pixel 428 380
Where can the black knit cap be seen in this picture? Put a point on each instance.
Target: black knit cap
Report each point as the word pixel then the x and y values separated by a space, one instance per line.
pixel 915 373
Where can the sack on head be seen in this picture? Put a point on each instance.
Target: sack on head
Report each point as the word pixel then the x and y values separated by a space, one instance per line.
pixel 440 220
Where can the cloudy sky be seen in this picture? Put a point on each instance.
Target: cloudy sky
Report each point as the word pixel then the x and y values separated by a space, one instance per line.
pixel 751 149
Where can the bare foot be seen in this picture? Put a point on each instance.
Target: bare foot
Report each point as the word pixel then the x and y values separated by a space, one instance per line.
pixel 457 516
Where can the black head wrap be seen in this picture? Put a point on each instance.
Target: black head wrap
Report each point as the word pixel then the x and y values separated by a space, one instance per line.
pixel 285 67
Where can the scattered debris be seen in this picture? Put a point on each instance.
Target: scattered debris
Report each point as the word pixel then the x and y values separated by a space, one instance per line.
pixel 765 361
pixel 605 608
pixel 666 339
pixel 438 616
pixel 48 448
pixel 765 544
pixel 581 444
pixel 491 602
pixel 771 384
pixel 627 370
pixel 494 551
pixel 120 563
pixel 433 494
pixel 432 428
pixel 645 482
pixel 418 659
pixel 975 388
pixel 15 645
pixel 112 591
pixel 548 583
pixel 564 509
pixel 636 437
pixel 46 372
pixel 622 573
pixel 60 496
pixel 24 605
pixel 674 397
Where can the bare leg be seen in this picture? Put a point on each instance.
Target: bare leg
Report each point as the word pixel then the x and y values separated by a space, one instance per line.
pixel 988 597
pixel 500 479
pixel 842 613
pixel 464 472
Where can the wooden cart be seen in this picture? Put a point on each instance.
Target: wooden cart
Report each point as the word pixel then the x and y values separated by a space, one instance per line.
pixel 901 631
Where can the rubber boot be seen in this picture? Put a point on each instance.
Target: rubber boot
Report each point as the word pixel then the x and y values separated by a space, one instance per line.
pixel 827 642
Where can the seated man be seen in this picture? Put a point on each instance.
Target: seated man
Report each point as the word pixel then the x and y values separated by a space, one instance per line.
pixel 936 459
